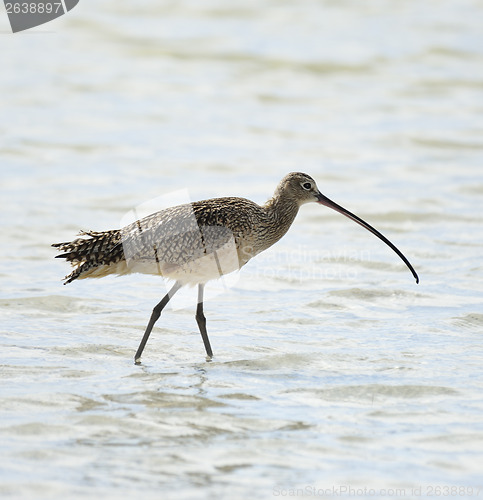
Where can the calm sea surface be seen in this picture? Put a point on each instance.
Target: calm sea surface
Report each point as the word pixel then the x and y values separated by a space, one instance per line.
pixel 334 373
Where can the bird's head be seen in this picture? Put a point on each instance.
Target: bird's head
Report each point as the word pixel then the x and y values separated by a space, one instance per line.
pixel 298 187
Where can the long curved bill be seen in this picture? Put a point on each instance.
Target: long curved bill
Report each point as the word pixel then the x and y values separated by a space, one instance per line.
pixel 323 200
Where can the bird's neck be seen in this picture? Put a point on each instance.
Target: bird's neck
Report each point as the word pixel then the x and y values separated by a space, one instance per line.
pixel 281 212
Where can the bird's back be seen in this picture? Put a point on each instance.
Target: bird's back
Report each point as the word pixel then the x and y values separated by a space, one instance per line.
pixel 191 243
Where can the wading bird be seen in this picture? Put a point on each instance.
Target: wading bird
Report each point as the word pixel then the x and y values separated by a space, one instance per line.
pixel 198 242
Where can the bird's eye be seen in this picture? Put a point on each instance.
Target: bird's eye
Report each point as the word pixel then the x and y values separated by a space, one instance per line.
pixel 307 185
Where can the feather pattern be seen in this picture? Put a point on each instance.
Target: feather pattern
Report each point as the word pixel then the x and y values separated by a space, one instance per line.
pixel 190 243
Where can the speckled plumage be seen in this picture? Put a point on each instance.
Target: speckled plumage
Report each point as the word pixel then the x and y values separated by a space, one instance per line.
pixel 191 243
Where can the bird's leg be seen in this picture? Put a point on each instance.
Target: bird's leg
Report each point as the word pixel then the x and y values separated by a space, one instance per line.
pixel 201 320
pixel 154 317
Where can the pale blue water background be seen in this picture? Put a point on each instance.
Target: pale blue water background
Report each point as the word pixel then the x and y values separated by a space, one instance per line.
pixel 333 369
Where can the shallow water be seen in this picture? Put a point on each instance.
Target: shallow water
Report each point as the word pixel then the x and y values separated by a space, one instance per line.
pixel 334 373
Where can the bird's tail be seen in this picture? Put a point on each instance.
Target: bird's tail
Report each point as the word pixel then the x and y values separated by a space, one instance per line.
pixel 92 256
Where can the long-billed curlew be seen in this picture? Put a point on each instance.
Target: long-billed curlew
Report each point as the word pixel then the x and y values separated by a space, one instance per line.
pixel 197 242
